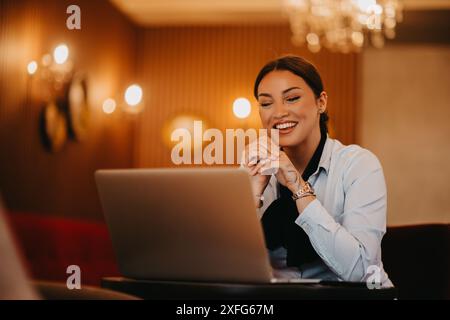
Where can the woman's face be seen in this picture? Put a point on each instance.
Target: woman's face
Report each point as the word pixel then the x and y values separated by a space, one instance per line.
pixel 288 103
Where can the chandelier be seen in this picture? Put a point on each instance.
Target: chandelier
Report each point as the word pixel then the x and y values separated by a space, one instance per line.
pixel 342 25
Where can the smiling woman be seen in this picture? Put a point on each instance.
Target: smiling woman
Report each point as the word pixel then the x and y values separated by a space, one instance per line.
pixel 324 211
pixel 306 84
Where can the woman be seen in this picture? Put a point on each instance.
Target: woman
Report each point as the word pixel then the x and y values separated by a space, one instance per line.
pixel 324 211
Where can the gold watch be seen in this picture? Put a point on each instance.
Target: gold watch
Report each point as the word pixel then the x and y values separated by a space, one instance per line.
pixel 304 191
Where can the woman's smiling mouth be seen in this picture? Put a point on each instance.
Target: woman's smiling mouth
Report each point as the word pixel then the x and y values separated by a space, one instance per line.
pixel 285 127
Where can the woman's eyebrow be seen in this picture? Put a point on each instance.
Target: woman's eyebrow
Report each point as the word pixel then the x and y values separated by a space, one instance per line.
pixel 291 88
pixel 283 92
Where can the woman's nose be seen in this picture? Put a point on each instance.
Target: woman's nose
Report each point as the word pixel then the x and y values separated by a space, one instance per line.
pixel 280 111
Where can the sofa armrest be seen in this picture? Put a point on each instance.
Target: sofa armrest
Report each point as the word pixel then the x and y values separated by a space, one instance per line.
pixel 417 259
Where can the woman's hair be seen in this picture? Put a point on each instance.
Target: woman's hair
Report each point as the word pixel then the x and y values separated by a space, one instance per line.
pixel 302 68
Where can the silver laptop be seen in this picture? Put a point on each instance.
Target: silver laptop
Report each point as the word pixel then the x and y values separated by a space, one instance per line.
pixel 184 224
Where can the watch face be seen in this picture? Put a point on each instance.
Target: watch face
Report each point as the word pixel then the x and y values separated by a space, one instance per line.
pixel 78 109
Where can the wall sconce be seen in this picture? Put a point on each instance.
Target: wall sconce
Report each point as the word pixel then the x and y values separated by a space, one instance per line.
pixel 53 71
pixel 133 101
pixel 32 67
pixel 242 108
pixel 64 92
pixel 184 121
pixel 66 113
pixel 109 105
pixel 61 54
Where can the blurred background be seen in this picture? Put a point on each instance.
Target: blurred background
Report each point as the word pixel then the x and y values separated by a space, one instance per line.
pixel 191 60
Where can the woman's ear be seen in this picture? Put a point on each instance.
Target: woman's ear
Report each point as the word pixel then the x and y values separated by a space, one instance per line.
pixel 322 102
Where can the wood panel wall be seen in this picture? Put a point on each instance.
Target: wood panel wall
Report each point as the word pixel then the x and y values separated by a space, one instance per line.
pixel 184 70
pixel 201 70
pixel 32 179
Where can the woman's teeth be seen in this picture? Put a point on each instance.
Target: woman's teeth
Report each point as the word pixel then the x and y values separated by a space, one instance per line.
pixel 285 125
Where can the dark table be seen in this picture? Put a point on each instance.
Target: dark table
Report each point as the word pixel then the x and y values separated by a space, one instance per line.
pixel 184 290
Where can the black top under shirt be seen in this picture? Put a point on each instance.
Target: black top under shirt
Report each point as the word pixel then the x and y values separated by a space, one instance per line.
pixel 278 221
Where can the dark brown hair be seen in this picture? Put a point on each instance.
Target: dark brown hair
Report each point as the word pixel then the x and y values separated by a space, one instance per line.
pixel 302 68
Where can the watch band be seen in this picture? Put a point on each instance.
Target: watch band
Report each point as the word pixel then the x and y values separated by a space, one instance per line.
pixel 304 191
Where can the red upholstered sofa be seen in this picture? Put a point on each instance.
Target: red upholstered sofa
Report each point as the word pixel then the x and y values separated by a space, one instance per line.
pixel 51 244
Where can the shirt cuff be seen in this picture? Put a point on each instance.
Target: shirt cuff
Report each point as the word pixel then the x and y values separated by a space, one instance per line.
pixel 315 214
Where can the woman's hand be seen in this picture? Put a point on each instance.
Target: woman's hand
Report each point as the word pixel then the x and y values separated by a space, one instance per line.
pixel 289 177
pixel 258 181
pixel 287 174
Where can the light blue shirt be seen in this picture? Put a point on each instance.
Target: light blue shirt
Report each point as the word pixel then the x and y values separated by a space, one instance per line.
pixel 347 220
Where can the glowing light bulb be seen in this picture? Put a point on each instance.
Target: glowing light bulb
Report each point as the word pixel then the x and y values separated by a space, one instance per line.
pixel 133 95
pixel 32 67
pixel 109 105
pixel 241 108
pixel 312 38
pixel 61 54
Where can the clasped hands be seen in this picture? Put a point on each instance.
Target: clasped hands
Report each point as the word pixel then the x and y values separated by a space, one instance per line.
pixel 261 159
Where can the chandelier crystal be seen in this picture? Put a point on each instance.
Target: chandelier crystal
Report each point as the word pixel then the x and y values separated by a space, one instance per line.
pixel 342 25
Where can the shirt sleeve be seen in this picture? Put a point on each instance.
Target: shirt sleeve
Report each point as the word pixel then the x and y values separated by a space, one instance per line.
pixel 351 246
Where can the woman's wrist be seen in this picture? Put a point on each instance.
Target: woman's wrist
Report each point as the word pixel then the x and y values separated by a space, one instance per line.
pixel 302 203
pixel 297 184
pixel 303 194
pixel 258 189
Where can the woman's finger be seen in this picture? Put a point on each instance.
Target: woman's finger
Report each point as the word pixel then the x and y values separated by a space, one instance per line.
pixel 255 170
pixel 249 155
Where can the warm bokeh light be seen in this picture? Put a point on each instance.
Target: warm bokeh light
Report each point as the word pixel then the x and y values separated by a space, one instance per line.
pixel 366 5
pixel 133 95
pixel 61 54
pixel 109 105
pixel 32 67
pixel 46 60
pixel 241 108
pixel 182 121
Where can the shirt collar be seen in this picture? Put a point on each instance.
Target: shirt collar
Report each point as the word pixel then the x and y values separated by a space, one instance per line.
pixel 325 159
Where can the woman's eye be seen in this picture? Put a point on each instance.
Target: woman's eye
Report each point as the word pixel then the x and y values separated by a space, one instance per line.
pixel 265 104
pixel 293 99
